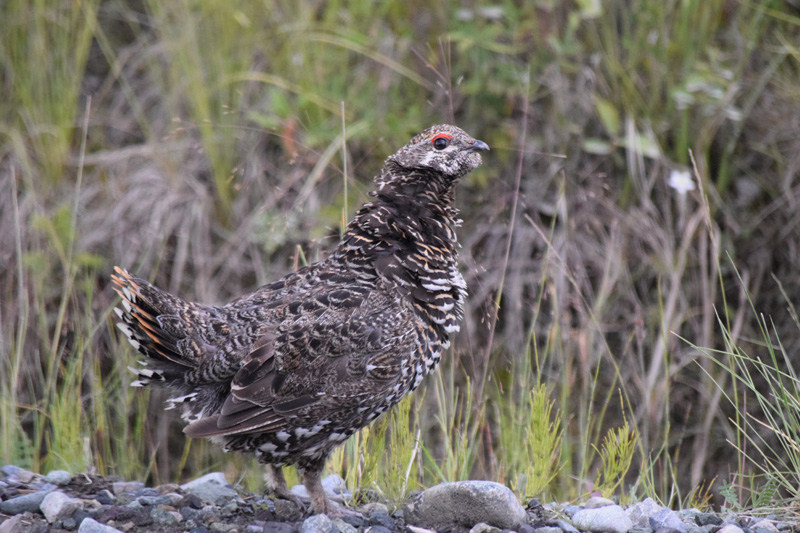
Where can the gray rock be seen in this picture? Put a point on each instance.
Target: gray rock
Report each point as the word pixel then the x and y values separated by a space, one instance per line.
pixel 210 488
pixel 595 502
pixel 24 476
pixel 377 514
pixel 641 512
pixel 319 523
pixel 566 526
pixel 223 528
pixel 767 525
pixel 667 521
pixel 92 526
pixel 164 516
pixel 254 528
pixel 708 519
pixel 57 505
pixel 730 528
pixel 228 510
pixel 279 527
pixel 148 500
pixel 288 511
pixel 482 527
pixel 25 503
pixel 15 523
pixel 344 527
pixel 58 477
pixel 333 485
pixel 462 504
pixel 416 529
pixel 123 487
pixel 215 477
pixel 570 510
pixel 609 518
pixel 377 529
pixel 171 498
pixel 547 529
pixel 688 515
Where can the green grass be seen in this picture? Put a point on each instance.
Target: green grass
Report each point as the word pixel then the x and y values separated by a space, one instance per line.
pixel 224 146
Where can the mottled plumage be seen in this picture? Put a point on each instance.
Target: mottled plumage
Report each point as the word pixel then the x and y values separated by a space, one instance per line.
pixel 290 371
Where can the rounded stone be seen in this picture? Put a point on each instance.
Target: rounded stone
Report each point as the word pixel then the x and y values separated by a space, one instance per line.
pixel 57 505
pixel 641 512
pixel 24 476
pixel 319 523
pixel 609 518
pixel 595 502
pixel 462 504
pixel 58 477
pixel 210 488
pixel 482 527
pixel 89 525
pixel 730 528
pixel 667 521
pixel 165 516
pixel 25 503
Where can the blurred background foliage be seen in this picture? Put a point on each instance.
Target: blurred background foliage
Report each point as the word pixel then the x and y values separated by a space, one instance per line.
pixel 651 148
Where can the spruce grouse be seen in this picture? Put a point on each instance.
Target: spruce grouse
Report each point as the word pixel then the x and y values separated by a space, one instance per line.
pixel 290 371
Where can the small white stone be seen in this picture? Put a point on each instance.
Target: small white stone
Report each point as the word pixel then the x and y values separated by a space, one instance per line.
pixel 213 477
pixel 58 505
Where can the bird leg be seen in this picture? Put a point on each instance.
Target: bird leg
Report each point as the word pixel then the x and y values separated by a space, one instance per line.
pixel 276 483
pixel 312 480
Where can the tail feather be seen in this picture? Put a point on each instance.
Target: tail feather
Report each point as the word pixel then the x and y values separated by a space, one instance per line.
pixel 143 305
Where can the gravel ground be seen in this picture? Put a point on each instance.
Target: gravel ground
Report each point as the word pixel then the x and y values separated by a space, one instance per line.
pixel 61 501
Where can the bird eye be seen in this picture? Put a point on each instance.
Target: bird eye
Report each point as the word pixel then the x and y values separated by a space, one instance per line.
pixel 440 142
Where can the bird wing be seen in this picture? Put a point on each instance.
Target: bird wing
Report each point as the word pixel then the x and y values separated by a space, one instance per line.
pixel 324 340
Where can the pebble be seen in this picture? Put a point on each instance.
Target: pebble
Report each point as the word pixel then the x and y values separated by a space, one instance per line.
pixel 223 527
pixel 212 477
pixel 548 529
pixel 25 503
pixel 333 485
pixel 58 477
pixel 318 523
pixel 92 526
pixel 377 529
pixel 463 504
pixel 165 516
pixel 209 505
pixel 566 526
pixel 641 512
pixel 287 511
pixel 609 518
pixel 667 521
pixel 20 474
pixel 343 526
pixel 279 527
pixel 123 487
pixel 482 527
pixel 15 523
pixel 707 519
pixel 765 525
pixel 57 505
pixel 210 488
pixel 595 502
pixel 730 528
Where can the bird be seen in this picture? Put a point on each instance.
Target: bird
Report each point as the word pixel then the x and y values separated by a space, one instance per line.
pixel 290 371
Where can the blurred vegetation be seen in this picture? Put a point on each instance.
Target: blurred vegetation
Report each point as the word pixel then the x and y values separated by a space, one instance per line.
pixel 649 150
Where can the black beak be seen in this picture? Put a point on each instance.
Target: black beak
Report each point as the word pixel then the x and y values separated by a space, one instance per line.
pixel 477 146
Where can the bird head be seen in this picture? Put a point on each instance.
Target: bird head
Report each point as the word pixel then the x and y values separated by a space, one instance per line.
pixel 444 148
